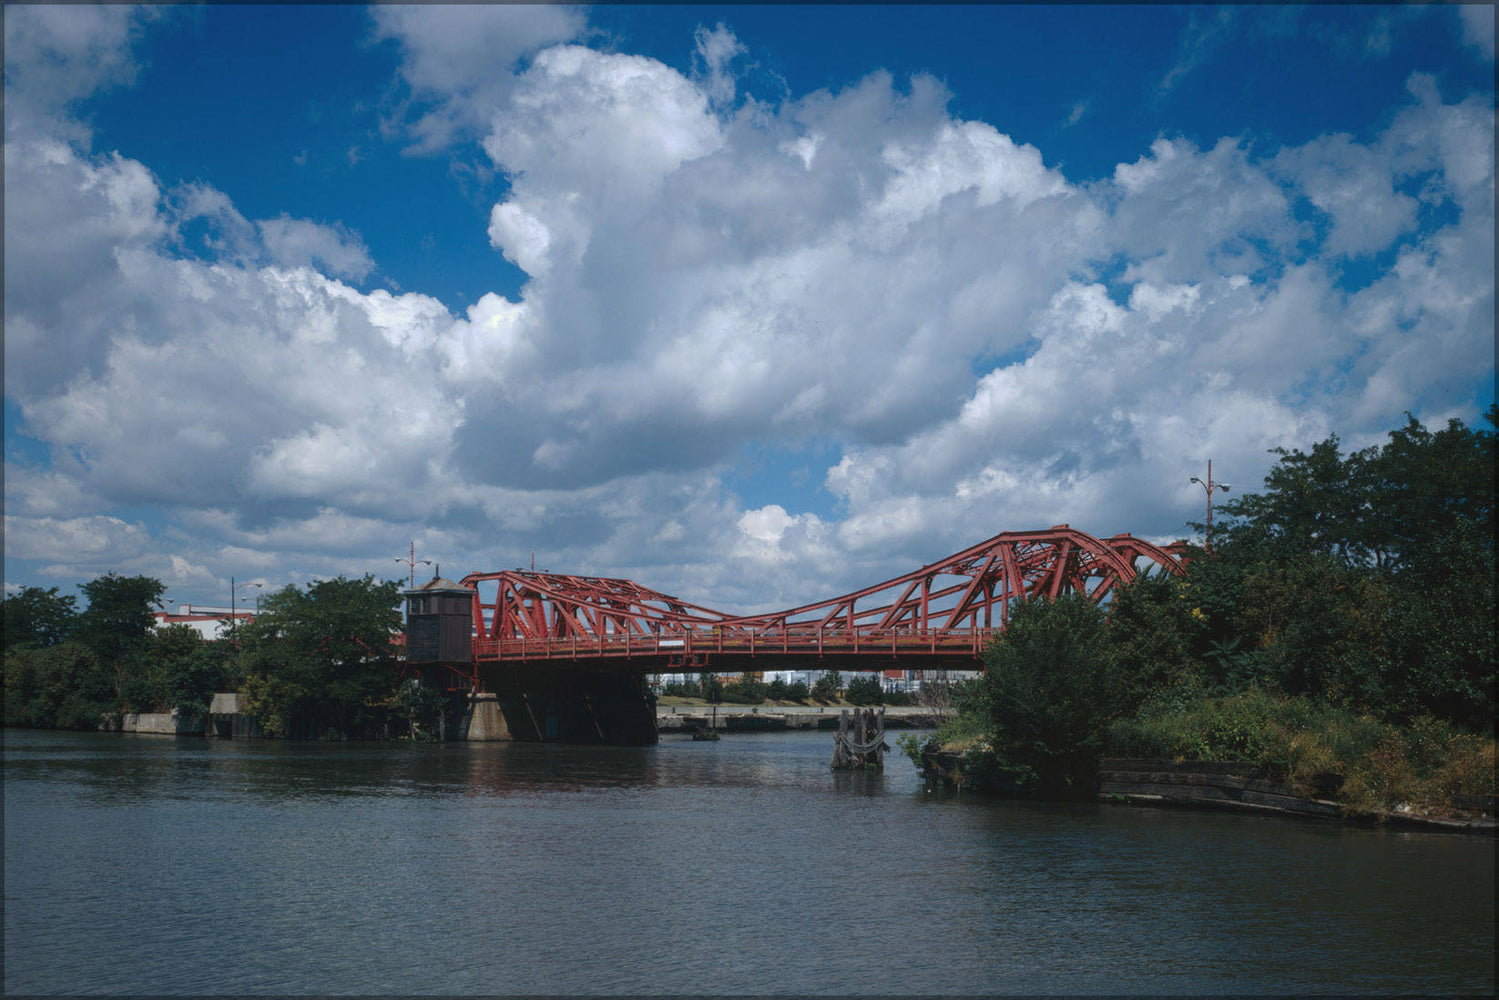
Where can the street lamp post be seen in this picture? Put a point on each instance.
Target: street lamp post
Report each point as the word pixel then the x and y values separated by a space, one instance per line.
pixel 411 562
pixel 1208 487
pixel 233 607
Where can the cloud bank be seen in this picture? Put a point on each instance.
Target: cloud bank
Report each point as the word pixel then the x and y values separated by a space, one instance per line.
pixel 984 343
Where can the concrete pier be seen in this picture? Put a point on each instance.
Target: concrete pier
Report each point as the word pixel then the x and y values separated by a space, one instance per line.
pixel 483 721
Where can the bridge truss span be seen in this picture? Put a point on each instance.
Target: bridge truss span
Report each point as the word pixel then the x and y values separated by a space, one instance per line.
pixel 939 616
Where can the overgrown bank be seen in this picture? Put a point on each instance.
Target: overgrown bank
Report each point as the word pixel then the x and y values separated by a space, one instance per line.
pixel 1339 635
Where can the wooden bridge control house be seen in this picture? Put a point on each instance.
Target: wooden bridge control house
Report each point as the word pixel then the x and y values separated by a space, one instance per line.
pixel 440 625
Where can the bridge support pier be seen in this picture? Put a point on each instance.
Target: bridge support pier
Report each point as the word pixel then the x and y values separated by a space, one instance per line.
pixel 483 720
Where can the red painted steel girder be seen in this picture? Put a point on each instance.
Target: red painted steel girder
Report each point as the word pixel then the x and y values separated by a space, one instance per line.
pixel 947 608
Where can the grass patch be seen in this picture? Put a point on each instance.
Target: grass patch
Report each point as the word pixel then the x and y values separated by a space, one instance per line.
pixel 1428 767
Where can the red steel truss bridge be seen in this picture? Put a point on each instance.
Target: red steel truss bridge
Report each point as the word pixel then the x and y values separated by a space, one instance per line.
pixel 937 617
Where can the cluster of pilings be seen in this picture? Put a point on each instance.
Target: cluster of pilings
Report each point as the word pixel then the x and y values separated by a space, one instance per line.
pixel 861 740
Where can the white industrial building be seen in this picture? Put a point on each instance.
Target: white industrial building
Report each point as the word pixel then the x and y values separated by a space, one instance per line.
pixel 209 622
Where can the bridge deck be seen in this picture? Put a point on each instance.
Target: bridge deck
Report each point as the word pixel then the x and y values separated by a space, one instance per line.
pixel 944 644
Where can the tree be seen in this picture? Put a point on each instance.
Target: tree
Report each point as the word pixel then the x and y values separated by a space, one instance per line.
pixel 120 612
pixel 1322 627
pixel 745 690
pixel 865 690
pixel 827 687
pixel 36 618
pixel 62 686
pixel 1154 629
pixel 1367 579
pixel 1430 487
pixel 1051 688
pixel 191 678
pixel 320 661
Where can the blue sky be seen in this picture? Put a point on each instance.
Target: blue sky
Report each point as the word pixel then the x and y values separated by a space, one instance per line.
pixel 754 304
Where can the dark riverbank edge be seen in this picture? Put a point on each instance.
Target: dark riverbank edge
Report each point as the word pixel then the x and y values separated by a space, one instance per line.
pixel 1223 785
pixel 778 718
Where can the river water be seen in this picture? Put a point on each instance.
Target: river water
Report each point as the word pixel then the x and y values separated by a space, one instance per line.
pixel 157 865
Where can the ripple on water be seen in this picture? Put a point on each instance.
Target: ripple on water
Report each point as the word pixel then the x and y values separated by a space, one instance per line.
pixel 150 865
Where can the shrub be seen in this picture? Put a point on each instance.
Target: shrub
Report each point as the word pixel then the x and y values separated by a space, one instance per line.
pixel 1319 749
pixel 1051 689
pixel 865 690
pixel 745 691
pixel 681 689
pixel 710 687
pixel 828 686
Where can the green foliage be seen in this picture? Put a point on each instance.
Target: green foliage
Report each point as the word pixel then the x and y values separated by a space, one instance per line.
pixel 62 686
pixel 865 690
pixel 710 687
pixel 1342 625
pixel 422 707
pixel 1366 580
pixel 1441 631
pixel 119 613
pixel 319 662
pixel 1154 632
pixel 1320 749
pixel 1311 505
pixel 68 670
pixel 1321 626
pixel 681 689
pixel 745 690
pixel 828 686
pixel 191 677
pixel 914 746
pixel 779 690
pixel 36 618
pixel 1051 688
pixel 149 667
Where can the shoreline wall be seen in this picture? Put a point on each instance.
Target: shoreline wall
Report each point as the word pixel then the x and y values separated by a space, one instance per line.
pixel 1206 783
pixel 157 723
pixel 773 718
pixel 1231 785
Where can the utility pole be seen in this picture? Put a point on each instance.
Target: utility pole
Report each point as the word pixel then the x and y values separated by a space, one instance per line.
pixel 1209 487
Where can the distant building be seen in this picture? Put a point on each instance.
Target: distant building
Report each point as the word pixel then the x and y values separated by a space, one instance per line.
pixel 209 622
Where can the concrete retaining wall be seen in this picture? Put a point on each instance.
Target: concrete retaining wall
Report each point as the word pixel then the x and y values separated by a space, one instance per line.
pixel 1206 783
pixel 767 718
pixel 158 723
pixel 1236 785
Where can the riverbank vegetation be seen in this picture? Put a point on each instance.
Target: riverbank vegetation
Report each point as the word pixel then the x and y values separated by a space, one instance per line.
pixel 317 662
pixel 1339 632
pixel 70 669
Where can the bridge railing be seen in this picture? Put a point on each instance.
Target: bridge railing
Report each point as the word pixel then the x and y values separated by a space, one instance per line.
pixel 808 642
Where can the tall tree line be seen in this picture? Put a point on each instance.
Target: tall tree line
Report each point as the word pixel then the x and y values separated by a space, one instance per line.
pixel 318 661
